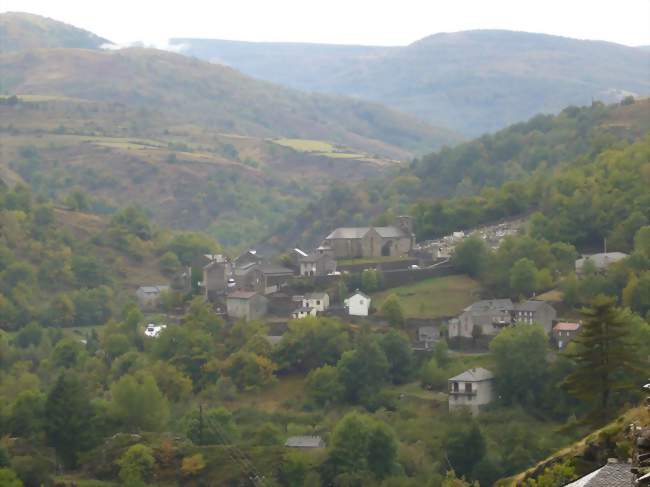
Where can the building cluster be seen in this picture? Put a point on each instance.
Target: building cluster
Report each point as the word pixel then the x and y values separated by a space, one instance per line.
pixel 493 235
pixel 488 317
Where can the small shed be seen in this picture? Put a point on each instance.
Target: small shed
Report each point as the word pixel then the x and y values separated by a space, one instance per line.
pixel 149 296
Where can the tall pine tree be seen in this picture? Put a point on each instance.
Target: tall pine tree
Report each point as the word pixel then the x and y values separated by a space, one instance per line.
pixel 605 357
pixel 68 415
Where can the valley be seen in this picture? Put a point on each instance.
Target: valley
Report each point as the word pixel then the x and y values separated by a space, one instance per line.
pixel 212 279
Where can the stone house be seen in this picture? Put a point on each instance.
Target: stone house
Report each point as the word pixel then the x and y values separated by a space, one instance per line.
pixel 321 262
pixel 364 242
pixel 149 296
pixel 247 305
pixel 251 256
pixel 358 304
pixel 492 315
pixel 471 389
pixel 564 332
pixel 215 277
pixel 534 311
pixel 319 301
pixel 304 442
pixel 263 278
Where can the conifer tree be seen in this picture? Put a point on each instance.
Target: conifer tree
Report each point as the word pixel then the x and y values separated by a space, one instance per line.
pixel 605 357
pixel 68 415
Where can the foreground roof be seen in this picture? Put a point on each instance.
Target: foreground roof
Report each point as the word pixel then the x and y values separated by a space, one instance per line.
pixel 490 304
pixel 476 374
pixel 613 474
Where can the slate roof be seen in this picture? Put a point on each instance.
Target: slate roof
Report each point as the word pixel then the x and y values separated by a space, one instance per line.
pixel 390 232
pixel 321 295
pixel 476 374
pixel 611 475
pixel 567 326
pixel 348 232
pixel 490 304
pixel 153 289
pixel 359 232
pixel 303 309
pixel 272 269
pixel 530 305
pixel 304 442
pixel 241 295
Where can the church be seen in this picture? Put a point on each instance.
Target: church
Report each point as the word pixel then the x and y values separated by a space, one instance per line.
pixel 364 242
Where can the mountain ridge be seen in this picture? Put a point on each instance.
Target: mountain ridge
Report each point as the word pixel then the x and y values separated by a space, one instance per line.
pixel 472 81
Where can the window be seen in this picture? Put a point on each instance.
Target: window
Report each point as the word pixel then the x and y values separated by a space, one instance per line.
pixel 361 301
pixel 318 303
pixel 454 386
pixel 468 387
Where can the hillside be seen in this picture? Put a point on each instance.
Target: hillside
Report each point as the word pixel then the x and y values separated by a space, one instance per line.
pixel 477 175
pixel 20 31
pixel 212 95
pixel 199 146
pixel 472 81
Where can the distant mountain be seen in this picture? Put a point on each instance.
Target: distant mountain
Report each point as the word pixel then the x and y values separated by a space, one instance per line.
pixel 473 81
pixel 216 96
pixel 20 31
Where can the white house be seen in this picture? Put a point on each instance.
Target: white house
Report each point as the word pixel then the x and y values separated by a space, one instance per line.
pixel 471 389
pixel 358 304
pixel 303 312
pixel 318 301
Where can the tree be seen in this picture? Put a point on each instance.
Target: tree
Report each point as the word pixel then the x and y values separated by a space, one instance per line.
pixel 465 448
pixel 470 256
pixel 212 427
pixel 136 465
pixel 138 403
pixel 391 309
pixel 169 263
pixel 324 386
pixel 520 359
pixel 8 478
pixel 523 277
pixel 359 444
pixel 27 413
pixel 67 352
pixel 312 342
pixel 370 280
pixel 193 465
pixel 642 241
pixel 249 370
pixel 363 371
pixel 400 357
pixel 68 416
pixel 605 357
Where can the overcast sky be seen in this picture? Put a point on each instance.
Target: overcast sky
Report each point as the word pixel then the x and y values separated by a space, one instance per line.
pixel 371 22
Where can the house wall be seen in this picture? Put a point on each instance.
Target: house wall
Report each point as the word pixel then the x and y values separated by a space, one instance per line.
pixel 345 248
pixel 484 395
pixel 215 279
pixel 319 305
pixel 148 301
pixel 358 305
pixel 248 309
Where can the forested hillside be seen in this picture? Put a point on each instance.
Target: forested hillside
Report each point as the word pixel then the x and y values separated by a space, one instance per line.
pixel 473 81
pixel 493 177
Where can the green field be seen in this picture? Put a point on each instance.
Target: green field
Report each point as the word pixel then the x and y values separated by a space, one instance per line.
pixel 433 298
pixel 322 148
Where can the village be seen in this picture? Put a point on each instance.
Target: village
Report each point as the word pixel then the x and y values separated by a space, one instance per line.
pixel 310 284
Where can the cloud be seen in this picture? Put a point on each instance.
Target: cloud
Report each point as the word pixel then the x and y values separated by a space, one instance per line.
pixel 163 45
